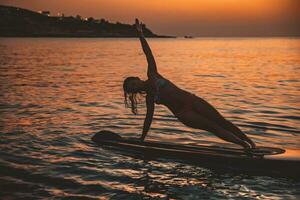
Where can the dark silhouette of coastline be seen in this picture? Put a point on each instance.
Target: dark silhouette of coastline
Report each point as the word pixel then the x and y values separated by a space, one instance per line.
pixel 18 22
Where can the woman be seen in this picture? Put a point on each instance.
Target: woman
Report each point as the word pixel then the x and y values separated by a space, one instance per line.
pixel 189 109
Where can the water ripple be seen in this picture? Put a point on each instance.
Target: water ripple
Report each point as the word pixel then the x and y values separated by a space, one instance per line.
pixel 51 105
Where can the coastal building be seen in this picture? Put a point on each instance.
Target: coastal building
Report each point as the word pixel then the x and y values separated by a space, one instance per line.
pixel 60 14
pixel 47 13
pixel 78 17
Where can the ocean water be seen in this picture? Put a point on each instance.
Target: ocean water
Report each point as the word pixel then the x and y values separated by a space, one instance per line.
pixel 56 93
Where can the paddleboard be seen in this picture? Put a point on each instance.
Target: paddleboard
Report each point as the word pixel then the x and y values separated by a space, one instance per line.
pixel 260 161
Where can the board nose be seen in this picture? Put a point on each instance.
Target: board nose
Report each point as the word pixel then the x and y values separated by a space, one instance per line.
pixel 105 135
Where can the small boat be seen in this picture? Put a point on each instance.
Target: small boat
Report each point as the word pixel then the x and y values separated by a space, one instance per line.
pixel 268 161
pixel 188 37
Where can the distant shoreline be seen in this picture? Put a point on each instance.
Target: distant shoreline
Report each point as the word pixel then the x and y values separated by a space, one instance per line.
pixel 19 22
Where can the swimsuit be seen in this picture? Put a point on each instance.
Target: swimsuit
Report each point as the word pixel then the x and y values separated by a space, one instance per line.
pixel 159 84
pixel 187 106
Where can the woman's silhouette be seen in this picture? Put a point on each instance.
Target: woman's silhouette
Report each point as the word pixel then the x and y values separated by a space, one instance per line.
pixel 191 110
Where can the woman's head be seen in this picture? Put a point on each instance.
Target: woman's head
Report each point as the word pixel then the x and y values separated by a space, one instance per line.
pixel 133 87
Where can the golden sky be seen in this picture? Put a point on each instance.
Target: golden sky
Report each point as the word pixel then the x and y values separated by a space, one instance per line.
pixel 185 17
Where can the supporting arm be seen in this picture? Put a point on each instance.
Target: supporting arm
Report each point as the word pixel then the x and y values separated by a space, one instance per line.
pixel 149 116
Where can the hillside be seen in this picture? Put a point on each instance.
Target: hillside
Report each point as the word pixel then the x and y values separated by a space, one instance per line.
pixel 18 22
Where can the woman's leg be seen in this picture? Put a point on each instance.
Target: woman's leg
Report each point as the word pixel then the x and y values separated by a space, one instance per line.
pixel 204 108
pixel 195 120
pixel 235 130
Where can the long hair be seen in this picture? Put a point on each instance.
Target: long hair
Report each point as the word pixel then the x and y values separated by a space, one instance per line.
pixel 131 98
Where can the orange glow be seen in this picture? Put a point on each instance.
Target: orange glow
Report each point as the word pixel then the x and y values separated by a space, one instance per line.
pixel 177 16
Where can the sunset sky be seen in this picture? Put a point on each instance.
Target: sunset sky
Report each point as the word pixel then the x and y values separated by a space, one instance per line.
pixel 186 17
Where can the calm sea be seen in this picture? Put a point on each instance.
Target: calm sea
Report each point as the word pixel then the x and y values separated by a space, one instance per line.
pixel 56 93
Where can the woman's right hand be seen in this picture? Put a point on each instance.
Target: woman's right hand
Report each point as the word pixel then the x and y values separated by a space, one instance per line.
pixel 138 26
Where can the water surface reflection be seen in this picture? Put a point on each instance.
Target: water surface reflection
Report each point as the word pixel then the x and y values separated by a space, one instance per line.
pixel 55 93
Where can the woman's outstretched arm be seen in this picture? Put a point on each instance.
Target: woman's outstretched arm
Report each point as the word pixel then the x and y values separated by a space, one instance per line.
pixel 146 48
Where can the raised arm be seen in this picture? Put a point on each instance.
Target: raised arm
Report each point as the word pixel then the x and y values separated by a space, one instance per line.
pixel 146 48
pixel 149 115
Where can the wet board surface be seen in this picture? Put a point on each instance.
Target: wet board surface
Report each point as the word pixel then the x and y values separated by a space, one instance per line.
pixel 261 161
